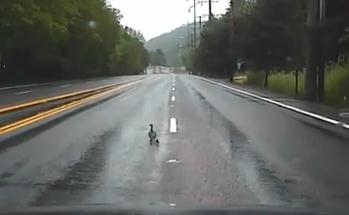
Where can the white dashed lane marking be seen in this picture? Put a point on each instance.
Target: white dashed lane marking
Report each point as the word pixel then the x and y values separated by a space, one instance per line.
pixel 65 86
pixel 173 125
pixel 175 161
pixel 173 121
pixel 24 92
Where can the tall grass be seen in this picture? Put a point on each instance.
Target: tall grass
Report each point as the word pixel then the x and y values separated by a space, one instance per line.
pixel 255 78
pixel 337 86
pixel 282 82
pixel 285 83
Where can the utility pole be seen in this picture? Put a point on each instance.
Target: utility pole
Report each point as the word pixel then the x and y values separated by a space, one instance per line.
pixel 194 24
pixel 231 59
pixel 321 63
pixel 312 52
pixel 188 34
pixel 192 41
pixel 210 10
pixel 200 24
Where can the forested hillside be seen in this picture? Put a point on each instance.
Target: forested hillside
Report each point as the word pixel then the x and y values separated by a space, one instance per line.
pixel 171 44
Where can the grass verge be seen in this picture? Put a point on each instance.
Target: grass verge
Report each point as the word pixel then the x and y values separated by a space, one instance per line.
pixel 336 84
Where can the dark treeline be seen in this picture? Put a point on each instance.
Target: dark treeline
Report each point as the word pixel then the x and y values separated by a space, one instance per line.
pixel 158 58
pixel 271 35
pixel 59 39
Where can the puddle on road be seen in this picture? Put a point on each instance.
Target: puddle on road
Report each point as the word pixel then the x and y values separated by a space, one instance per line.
pixel 80 178
pixel 11 171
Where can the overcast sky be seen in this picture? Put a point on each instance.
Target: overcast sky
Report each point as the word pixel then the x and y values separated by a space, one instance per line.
pixel 154 17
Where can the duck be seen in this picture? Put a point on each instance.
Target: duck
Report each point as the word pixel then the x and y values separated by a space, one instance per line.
pixel 152 134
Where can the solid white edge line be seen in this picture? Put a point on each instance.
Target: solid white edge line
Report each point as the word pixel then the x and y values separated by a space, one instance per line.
pixel 173 125
pixel 295 109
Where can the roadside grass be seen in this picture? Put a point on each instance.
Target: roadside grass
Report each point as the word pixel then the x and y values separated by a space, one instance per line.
pixel 285 83
pixel 255 78
pixel 336 84
pixel 281 82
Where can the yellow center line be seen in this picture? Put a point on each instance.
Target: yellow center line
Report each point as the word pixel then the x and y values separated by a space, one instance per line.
pixel 55 98
pixel 40 116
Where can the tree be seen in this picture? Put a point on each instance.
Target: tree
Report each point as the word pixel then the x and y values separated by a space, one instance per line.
pixel 134 57
pixel 271 35
pixel 336 29
pixel 158 58
pixel 326 40
pixel 264 33
pixel 277 27
pixel 135 34
pixel 211 56
pixel 30 31
pixel 65 39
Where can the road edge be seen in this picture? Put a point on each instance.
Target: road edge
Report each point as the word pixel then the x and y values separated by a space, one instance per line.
pixel 282 105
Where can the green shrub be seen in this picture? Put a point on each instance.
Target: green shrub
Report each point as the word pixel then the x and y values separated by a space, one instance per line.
pixel 255 78
pixel 337 86
pixel 285 83
pixel 282 82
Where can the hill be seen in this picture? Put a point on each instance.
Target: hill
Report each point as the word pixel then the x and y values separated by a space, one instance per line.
pixel 170 43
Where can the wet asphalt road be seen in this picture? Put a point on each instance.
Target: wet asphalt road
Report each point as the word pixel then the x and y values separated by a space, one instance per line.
pixel 227 150
pixel 26 93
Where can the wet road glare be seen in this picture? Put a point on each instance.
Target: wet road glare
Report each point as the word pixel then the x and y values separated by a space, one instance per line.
pixel 216 149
